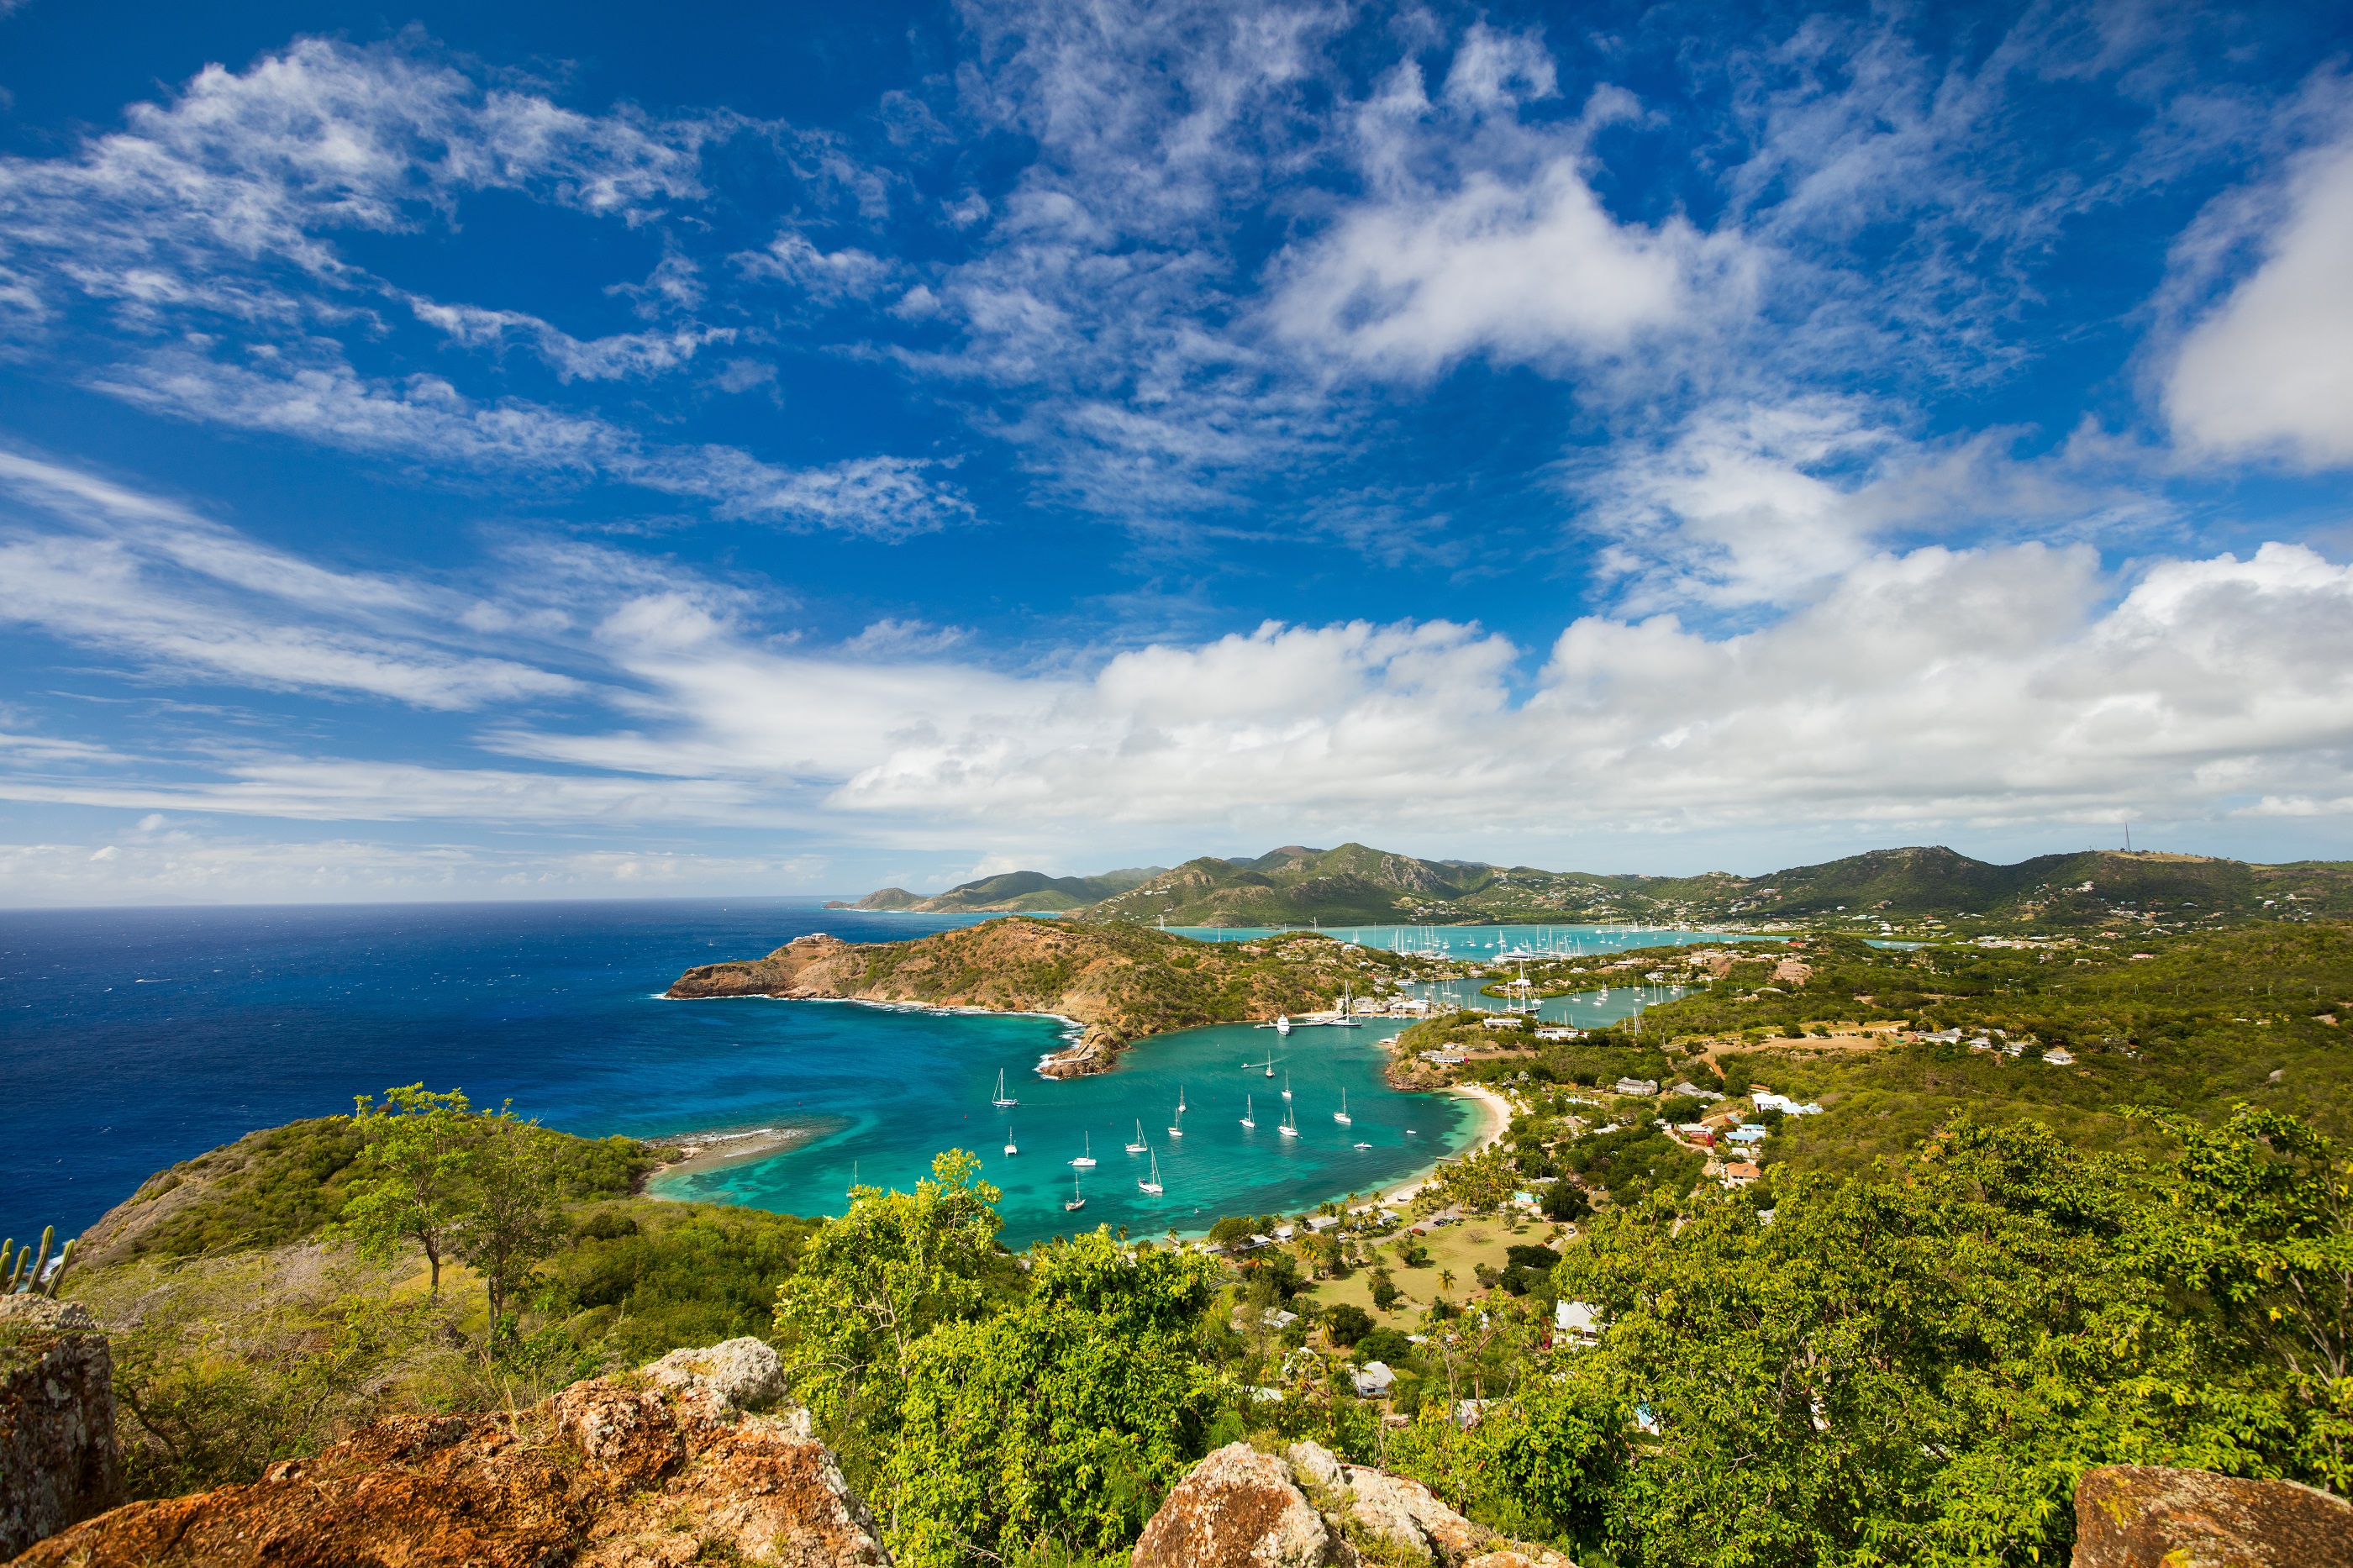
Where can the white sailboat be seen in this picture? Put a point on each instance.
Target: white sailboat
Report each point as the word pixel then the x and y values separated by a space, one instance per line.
pixel 1175 1130
pixel 1086 1161
pixel 1152 1183
pixel 1078 1199
pixel 1010 1146
pixel 1001 1099
pixel 1270 1064
pixel 1139 1146
pixel 1286 1085
pixel 1347 1018
pixel 1341 1115
pixel 1289 1123
pixel 1248 1112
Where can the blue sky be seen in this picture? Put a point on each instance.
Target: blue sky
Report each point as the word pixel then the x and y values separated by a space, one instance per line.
pixel 527 451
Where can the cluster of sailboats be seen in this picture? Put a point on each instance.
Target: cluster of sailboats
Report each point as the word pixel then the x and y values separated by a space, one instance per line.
pixel 1150 1181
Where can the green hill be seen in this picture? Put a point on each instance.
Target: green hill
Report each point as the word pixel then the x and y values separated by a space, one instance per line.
pixel 1915 890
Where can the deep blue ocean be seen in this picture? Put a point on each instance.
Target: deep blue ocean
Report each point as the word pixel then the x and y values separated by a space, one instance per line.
pixel 133 1038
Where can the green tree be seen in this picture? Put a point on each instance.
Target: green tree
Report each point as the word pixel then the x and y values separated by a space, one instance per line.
pixel 1064 1419
pixel 872 1282
pixel 412 1173
pixel 510 1216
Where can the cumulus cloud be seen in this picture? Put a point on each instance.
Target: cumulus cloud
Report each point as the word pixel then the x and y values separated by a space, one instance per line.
pixel 1997 685
pixel 2270 371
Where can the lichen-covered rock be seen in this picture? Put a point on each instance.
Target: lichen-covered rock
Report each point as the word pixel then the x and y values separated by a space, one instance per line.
pixel 1307 1508
pixel 2143 1516
pixel 1239 1508
pixel 58 1462
pixel 629 1472
pixel 747 1372
pixel 1316 1466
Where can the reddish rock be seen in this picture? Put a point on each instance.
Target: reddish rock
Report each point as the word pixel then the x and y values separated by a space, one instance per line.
pixel 1239 1508
pixel 58 1462
pixel 1242 1509
pixel 628 1472
pixel 2143 1516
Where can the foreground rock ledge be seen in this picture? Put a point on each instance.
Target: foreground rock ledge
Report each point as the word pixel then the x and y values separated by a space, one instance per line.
pixel 1305 1509
pixel 58 1463
pixel 2143 1516
pixel 659 1468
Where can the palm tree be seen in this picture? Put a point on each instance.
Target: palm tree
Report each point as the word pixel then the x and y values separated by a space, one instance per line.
pixel 1446 1280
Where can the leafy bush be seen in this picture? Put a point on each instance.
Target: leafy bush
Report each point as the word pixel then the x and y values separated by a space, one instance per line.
pixel 1347 1324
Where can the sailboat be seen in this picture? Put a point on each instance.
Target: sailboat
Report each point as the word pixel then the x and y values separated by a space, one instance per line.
pixel 1010 1146
pixel 1347 1018
pixel 1086 1161
pixel 1078 1199
pixel 1174 1130
pixel 1152 1183
pixel 1247 1112
pixel 1002 1099
pixel 1341 1115
pixel 1270 1064
pixel 1139 1146
pixel 1286 1085
pixel 1289 1123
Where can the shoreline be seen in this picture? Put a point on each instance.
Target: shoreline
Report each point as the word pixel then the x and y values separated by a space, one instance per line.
pixel 1498 1118
pixel 701 1151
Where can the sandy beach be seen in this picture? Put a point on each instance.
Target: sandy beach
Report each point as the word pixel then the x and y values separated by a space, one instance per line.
pixel 711 1151
pixel 1497 1113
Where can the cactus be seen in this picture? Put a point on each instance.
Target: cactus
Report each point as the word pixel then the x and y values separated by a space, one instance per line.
pixel 65 1255
pixel 49 1235
pixel 8 1263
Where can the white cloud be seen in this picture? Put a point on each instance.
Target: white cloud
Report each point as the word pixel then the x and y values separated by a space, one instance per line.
pixel 2270 371
pixel 427 418
pixel 216 867
pixel 176 593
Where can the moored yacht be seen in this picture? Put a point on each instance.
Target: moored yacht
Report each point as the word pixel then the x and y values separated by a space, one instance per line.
pixel 1086 1161
pixel 1001 1099
pixel 1341 1115
pixel 1247 1113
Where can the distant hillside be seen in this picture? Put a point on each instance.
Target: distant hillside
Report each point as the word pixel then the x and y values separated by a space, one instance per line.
pixel 1357 885
pixel 1009 892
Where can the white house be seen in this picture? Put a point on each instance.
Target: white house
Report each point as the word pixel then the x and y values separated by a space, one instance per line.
pixel 1784 1104
pixel 1576 1320
pixel 1638 1086
pixel 2058 1057
pixel 1373 1379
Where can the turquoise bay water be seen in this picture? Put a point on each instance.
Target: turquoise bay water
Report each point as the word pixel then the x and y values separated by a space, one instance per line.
pixel 943 1075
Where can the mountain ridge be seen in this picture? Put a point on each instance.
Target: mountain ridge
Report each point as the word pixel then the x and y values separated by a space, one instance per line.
pixel 1356 884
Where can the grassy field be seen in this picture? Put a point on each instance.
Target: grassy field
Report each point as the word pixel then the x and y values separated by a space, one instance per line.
pixel 1455 1249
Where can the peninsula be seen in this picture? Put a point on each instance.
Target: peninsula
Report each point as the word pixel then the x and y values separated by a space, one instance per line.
pixel 1119 982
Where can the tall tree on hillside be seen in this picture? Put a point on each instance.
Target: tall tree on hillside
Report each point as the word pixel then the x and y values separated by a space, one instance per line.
pixel 412 1174
pixel 510 1217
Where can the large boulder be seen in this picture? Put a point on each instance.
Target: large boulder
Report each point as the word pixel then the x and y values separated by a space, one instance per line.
pixel 1307 1508
pixel 2143 1516
pixel 58 1462
pixel 1239 1508
pixel 623 1472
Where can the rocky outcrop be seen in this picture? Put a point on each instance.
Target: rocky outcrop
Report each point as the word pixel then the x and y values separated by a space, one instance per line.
pixel 58 1462
pixel 1307 1508
pixel 2143 1516
pixel 1120 983
pixel 654 1471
